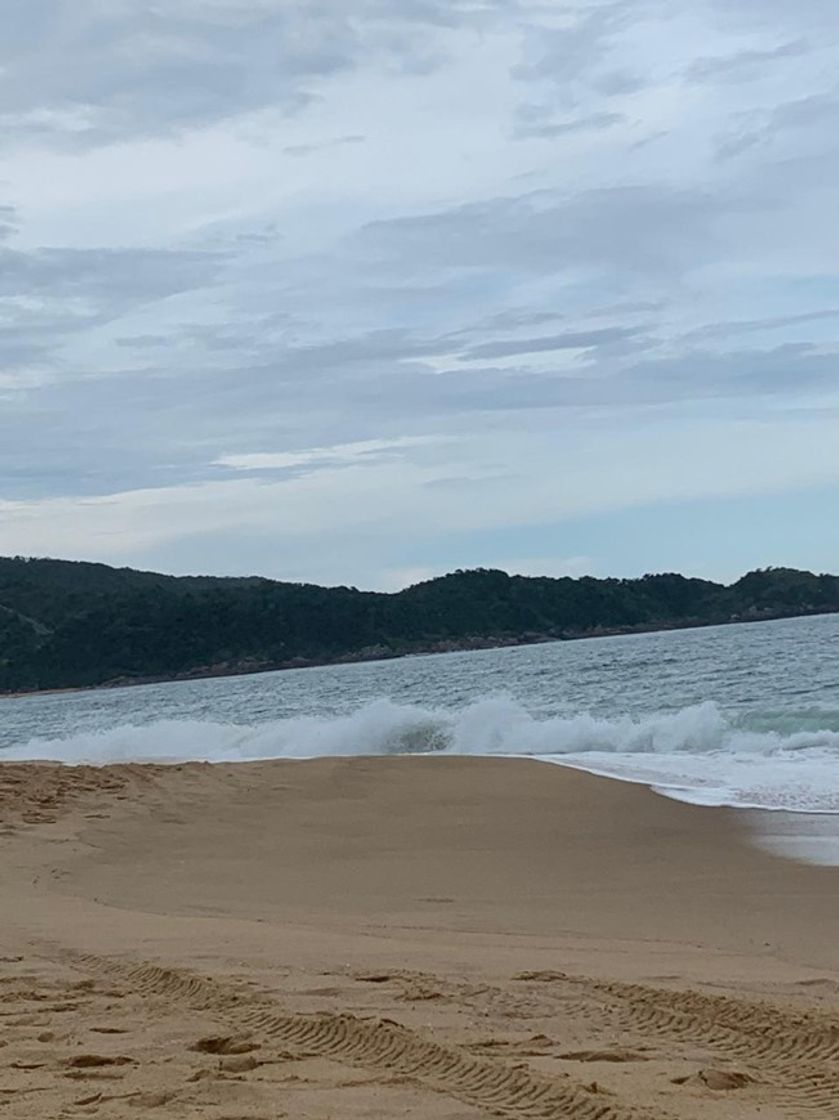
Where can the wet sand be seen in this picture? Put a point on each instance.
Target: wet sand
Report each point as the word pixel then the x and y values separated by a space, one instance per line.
pixel 435 937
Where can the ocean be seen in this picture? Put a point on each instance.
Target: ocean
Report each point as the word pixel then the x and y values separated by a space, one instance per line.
pixel 743 715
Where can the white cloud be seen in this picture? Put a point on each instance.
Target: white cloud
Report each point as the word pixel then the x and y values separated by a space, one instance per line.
pixel 364 451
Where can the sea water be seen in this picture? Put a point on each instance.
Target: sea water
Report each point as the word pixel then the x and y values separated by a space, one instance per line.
pixel 742 715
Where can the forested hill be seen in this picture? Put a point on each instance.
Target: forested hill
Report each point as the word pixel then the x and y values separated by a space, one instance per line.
pixel 66 624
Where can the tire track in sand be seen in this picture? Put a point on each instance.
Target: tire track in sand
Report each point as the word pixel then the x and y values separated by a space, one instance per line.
pixel 514 1092
pixel 796 1053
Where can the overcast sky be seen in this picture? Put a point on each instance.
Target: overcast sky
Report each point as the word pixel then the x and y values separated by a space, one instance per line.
pixel 361 291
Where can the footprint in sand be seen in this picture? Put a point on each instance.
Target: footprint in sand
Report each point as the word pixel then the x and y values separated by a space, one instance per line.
pixel 720 1080
pixel 225 1044
pixel 152 1100
pixel 240 1063
pixel 603 1056
pixel 92 1075
pixel 537 1046
pixel 97 1061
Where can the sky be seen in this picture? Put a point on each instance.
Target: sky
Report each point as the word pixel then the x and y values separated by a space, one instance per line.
pixel 363 291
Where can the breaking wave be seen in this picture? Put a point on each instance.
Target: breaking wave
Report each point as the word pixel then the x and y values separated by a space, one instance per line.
pixel 696 754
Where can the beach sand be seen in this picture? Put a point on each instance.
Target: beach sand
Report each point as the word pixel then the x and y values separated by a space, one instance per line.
pixel 445 938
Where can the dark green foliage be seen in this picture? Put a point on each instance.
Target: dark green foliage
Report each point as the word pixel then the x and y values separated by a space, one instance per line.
pixel 66 624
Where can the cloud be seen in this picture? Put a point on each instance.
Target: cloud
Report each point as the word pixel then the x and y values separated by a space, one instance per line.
pixel 571 340
pixel 796 116
pixel 88 74
pixel 323 145
pixel 745 65
pixel 112 276
pixel 143 341
pixel 773 13
pixel 535 127
pixel 770 323
pixel 363 451
pixel 563 54
pixel 645 228
pixel 54 298
pixel 8 222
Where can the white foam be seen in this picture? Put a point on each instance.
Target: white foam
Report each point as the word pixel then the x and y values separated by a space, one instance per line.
pixel 798 782
pixel 694 754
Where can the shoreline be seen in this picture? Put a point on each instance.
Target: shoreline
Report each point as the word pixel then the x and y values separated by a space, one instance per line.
pixel 753 810
pixel 468 645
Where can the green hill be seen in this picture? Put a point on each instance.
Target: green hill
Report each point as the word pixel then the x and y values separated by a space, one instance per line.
pixel 66 624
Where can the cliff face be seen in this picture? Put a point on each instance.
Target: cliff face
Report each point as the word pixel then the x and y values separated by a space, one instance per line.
pixel 66 624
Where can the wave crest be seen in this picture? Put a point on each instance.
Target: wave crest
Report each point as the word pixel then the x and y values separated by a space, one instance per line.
pixel 695 753
pixel 495 725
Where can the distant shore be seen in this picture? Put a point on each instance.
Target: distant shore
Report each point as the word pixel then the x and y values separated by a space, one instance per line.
pixel 365 656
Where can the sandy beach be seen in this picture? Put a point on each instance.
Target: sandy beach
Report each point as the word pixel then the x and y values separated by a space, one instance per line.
pixel 439 937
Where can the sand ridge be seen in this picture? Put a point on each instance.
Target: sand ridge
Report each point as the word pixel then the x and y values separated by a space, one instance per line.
pixel 255 941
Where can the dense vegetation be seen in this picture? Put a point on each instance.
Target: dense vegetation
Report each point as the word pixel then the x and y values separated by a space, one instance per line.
pixel 66 624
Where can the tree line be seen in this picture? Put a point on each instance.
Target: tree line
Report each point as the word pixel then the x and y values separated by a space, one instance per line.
pixel 67 624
